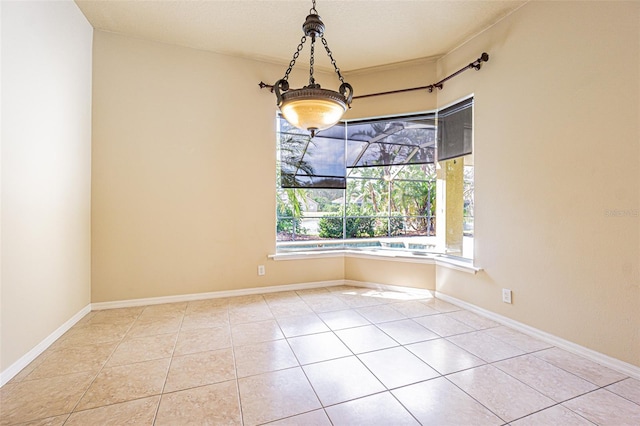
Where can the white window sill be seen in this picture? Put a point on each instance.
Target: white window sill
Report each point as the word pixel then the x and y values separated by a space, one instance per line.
pixel 457 264
pixel 307 255
pixel 397 256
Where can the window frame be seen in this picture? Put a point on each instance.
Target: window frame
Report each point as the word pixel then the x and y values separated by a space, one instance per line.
pixel 342 242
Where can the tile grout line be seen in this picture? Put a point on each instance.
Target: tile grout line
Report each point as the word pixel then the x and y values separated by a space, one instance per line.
pixel 300 364
pixel 375 324
pixel 440 375
pixel 387 390
pixel 571 372
pixel 235 366
pixel 621 396
pixel 166 377
pixel 102 368
pixel 475 330
pixel 390 391
pixel 553 365
pixel 535 353
pixel 556 403
pixel 471 396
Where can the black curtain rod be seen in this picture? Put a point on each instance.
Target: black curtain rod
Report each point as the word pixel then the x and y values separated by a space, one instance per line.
pixel 477 64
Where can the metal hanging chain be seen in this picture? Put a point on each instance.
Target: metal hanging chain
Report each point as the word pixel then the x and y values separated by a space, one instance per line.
pixel 333 61
pixel 312 80
pixel 295 56
pixel 312 27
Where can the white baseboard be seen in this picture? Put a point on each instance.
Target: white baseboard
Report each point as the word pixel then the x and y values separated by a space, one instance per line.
pixel 600 358
pixel 211 295
pixel 607 361
pixel 26 359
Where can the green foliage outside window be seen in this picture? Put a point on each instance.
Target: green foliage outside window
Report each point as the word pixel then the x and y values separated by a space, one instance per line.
pixel 331 226
pixel 289 211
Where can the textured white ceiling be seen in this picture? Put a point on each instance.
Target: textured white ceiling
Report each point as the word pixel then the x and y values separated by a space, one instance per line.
pixel 361 34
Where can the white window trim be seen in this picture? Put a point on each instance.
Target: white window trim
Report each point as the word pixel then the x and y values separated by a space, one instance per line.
pixel 429 258
pixel 457 264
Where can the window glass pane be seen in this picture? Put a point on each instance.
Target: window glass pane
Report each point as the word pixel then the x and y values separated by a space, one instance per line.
pixel 321 203
pixel 390 226
pixel 355 149
pixel 300 210
pixel 358 226
pixel 369 172
pixel 459 206
pixel 415 201
pixel 288 214
pixel 325 200
pixel 307 162
pixel 391 141
pixel 468 201
pixel 331 225
pixel 367 196
pixel 284 227
pixel 416 172
pixel 387 202
pixel 382 154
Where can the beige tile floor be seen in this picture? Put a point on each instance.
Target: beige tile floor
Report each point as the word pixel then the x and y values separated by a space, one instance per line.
pixel 339 355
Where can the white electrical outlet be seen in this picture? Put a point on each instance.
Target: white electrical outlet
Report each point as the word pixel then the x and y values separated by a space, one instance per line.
pixel 261 270
pixel 506 295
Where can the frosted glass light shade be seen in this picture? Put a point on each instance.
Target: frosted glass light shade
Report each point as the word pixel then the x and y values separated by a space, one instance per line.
pixel 313 109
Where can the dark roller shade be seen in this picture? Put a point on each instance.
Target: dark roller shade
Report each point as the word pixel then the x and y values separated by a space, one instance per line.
pixel 322 162
pixel 455 129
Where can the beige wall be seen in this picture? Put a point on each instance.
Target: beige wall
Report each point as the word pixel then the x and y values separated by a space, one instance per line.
pixel 557 147
pixel 178 134
pixel 411 74
pixel 184 168
pixel 390 272
pixel 184 173
pixel 46 154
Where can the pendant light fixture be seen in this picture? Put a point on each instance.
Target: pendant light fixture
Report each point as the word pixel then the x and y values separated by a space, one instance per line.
pixel 312 108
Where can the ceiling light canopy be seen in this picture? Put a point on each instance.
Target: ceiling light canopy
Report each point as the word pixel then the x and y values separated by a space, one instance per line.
pixel 312 108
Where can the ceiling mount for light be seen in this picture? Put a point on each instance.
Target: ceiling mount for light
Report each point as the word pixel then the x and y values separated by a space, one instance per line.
pixel 312 108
